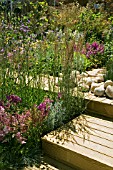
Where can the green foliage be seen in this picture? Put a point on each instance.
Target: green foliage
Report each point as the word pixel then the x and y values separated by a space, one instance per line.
pixel 109 63
pixel 109 73
pixel 81 62
pixel 94 25
pixel 108 53
pixel 65 17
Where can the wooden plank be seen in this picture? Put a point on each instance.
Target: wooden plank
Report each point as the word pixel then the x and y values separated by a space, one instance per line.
pixel 84 126
pixel 105 129
pixel 81 157
pixel 99 121
pixel 94 146
pixel 93 138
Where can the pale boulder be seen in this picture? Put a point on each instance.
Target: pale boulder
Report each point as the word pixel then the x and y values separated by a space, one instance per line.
pixel 109 91
pixel 99 79
pixel 99 91
pixel 89 81
pixel 78 77
pixel 100 70
pixel 95 85
pixel 107 83
pixel 84 74
pixel 92 73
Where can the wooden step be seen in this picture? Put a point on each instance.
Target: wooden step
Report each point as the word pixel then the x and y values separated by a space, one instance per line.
pixel 49 164
pixel 86 143
pixel 99 105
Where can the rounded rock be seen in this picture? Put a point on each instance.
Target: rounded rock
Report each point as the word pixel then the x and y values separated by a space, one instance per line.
pixel 99 91
pixel 95 85
pixel 107 83
pixel 84 74
pixel 99 79
pixel 89 81
pixel 109 91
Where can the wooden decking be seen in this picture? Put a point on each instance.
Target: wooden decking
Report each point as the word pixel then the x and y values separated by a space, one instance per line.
pixel 86 143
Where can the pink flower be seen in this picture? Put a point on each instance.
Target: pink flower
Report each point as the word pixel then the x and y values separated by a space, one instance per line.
pixel 2 110
pixel 6 129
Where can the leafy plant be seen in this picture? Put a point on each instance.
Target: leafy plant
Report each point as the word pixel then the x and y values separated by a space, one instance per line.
pixel 95 53
pixel 57 114
pixel 109 69
pixel 81 62
pixel 94 25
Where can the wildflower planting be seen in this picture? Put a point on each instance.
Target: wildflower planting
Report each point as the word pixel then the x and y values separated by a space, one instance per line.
pixel 40 47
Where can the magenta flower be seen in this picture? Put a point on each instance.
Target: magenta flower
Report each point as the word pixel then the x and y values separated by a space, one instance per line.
pixel 94 49
pixel 42 106
pixel 95 45
pixel 9 54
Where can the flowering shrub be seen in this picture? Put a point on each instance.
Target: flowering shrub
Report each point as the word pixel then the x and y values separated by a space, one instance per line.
pixel 21 130
pixel 94 49
pixel 13 126
pixel 18 125
pixel 95 53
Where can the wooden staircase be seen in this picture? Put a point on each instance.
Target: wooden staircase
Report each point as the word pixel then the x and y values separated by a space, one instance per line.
pixel 85 143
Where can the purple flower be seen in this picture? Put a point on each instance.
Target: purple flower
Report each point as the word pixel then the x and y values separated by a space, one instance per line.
pixel 44 107
pixel 14 98
pixel 24 28
pixel 94 49
pixel 95 45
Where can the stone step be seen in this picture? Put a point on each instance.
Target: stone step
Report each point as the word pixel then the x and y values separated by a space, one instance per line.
pixel 86 143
